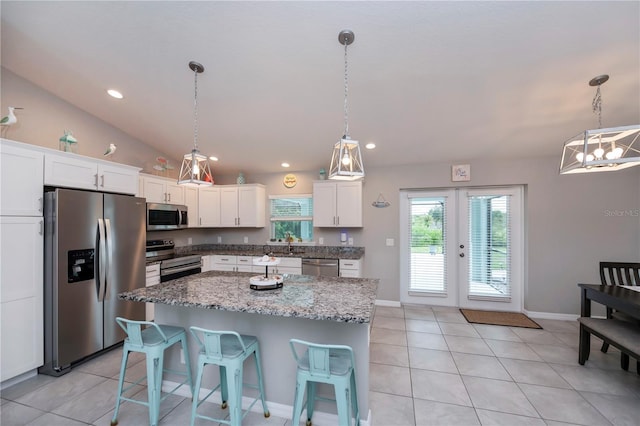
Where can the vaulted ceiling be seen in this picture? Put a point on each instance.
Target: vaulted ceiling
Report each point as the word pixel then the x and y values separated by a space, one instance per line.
pixel 428 81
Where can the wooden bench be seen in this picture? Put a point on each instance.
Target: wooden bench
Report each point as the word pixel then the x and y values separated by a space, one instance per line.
pixel 623 335
pixel 619 273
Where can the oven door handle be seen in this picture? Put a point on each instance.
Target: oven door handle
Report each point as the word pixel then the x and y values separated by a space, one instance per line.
pixel 177 269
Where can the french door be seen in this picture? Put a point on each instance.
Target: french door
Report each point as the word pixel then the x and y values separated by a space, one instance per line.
pixel 462 247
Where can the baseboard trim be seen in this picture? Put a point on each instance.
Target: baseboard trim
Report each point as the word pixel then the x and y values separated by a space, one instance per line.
pixel 551 315
pixel 20 378
pixel 389 303
pixel 276 409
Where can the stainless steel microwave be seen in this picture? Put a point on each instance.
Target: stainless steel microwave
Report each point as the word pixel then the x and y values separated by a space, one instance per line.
pixel 164 217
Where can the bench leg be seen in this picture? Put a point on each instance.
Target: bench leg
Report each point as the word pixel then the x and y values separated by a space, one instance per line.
pixel 624 361
pixel 585 343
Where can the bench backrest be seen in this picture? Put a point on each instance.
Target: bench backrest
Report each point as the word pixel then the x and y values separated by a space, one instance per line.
pixel 620 273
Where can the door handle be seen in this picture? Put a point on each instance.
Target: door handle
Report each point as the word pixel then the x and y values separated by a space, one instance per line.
pixel 41 227
pixel 102 181
pixel 461 255
pixel 108 234
pixel 101 259
pixel 96 178
pixel 41 208
pixel 169 196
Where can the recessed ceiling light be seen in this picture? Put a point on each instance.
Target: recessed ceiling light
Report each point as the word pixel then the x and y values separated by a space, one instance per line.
pixel 285 165
pixel 370 145
pixel 115 94
pixel 213 158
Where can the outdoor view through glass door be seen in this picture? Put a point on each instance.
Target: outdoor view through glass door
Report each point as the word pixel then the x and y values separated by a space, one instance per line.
pixel 462 247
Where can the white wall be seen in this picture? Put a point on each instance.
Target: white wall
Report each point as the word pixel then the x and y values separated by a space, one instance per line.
pixel 572 222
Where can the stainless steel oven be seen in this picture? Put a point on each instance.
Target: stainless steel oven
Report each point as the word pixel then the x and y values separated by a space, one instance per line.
pixel 163 217
pixel 172 265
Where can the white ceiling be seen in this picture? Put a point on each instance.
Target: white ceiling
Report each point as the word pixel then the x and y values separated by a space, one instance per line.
pixel 428 81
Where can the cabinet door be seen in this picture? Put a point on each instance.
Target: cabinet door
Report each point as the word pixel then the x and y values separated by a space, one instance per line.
pixel 229 206
pixel 324 204
pixel 70 171
pixel 191 201
pixel 251 206
pixel 21 296
pixel 209 207
pixel 175 193
pixel 21 181
pixel 114 178
pixel 155 190
pixel 349 204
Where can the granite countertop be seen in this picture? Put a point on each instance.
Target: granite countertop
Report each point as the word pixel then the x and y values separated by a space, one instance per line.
pixel 348 300
pixel 303 251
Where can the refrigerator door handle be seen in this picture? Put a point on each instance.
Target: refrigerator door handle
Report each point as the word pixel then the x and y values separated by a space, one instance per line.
pixel 109 234
pixel 101 260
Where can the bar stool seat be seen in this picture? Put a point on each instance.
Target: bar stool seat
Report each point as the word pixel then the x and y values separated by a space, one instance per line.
pixel 152 341
pixel 228 350
pixel 331 364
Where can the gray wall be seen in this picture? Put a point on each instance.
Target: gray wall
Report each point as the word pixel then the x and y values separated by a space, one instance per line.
pixel 572 222
pixel 45 117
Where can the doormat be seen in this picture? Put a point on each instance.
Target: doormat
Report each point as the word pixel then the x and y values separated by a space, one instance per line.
pixel 510 319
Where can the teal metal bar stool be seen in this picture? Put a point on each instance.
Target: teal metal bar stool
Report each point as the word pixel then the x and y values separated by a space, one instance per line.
pixel 228 350
pixel 331 364
pixel 152 341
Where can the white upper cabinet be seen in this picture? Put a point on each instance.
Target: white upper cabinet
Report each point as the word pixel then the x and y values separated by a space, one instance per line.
pixel 242 206
pixel 21 180
pixel 162 190
pixel 75 171
pixel 208 212
pixel 191 201
pixel 337 204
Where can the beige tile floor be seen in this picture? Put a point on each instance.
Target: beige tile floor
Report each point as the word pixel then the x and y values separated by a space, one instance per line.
pixel 428 367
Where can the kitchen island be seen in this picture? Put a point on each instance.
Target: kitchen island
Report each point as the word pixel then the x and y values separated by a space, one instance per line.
pixel 318 309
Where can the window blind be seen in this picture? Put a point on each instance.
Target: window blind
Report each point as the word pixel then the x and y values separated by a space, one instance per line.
pixel 427 245
pixel 489 251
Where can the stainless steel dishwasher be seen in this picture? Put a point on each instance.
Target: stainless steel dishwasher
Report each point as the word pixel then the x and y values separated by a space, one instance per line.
pixel 324 267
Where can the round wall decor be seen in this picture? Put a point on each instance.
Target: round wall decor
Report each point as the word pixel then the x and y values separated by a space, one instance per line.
pixel 290 180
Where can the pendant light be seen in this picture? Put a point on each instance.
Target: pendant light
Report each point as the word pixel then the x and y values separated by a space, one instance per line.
pixel 601 150
pixel 195 169
pixel 346 161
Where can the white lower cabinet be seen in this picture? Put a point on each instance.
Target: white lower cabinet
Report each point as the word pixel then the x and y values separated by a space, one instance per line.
pixel 153 278
pixel 287 265
pixel 21 295
pixel 350 268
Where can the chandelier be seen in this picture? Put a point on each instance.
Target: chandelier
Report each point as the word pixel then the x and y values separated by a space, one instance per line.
pixel 346 160
pixel 195 169
pixel 603 149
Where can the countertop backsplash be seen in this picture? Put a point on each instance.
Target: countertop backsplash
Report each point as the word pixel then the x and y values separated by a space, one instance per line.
pixel 305 251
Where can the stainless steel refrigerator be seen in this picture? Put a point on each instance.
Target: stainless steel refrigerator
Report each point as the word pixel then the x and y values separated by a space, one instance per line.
pixel 94 249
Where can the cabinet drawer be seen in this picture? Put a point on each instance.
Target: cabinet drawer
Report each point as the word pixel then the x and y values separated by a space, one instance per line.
pixel 153 270
pixel 224 260
pixel 244 261
pixel 349 264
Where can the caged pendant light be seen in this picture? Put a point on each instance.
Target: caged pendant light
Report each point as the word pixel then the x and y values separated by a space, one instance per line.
pixel 346 161
pixel 195 169
pixel 601 150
